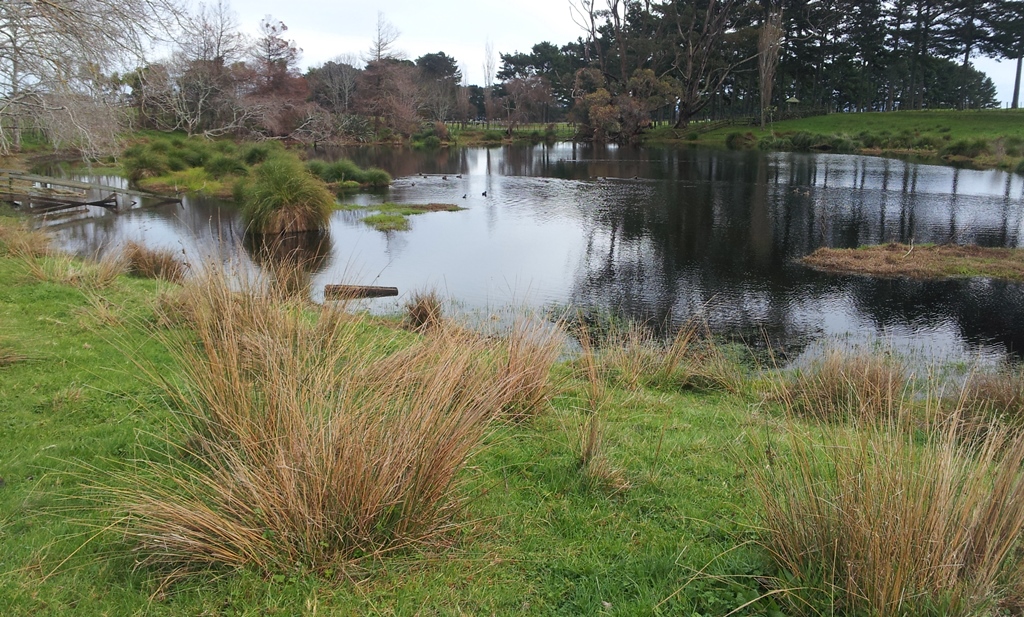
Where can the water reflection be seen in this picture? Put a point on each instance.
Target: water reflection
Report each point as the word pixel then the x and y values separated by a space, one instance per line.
pixel 657 234
pixel 307 250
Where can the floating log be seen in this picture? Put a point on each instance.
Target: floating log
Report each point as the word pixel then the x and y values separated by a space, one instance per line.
pixel 355 292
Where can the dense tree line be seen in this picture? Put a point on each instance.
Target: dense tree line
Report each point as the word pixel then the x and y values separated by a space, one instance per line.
pixel 636 62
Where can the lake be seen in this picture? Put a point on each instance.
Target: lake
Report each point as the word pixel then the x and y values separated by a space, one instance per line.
pixel 653 234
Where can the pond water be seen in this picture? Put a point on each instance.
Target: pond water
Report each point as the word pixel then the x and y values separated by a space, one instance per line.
pixel 657 235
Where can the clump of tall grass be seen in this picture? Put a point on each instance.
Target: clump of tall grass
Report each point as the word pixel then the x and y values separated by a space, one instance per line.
pixel 885 518
pixel 222 165
pixel 530 351
pixel 999 394
pixel 18 240
pixel 841 386
pixel 144 163
pixel 969 148
pixel 631 356
pixel 281 196
pixel 344 170
pixel 424 312
pixel 586 430
pixel 151 263
pixel 65 269
pixel 303 441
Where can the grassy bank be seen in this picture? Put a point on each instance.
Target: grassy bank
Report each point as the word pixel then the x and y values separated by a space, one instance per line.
pixel 395 217
pixel 986 138
pixel 174 163
pixel 637 477
pixel 921 261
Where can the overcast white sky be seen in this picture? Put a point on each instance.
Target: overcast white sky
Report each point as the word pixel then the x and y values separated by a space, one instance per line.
pixel 325 29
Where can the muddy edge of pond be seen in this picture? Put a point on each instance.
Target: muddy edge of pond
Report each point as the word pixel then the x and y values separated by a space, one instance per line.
pixel 924 261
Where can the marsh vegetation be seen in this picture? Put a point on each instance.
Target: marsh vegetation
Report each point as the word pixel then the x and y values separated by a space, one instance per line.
pixel 245 443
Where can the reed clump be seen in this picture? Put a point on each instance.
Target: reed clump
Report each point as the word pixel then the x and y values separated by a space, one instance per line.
pixel 281 196
pixel 586 427
pixel 883 518
pixel 18 240
pixel 424 312
pixel 630 356
pixel 999 394
pixel 344 170
pixel 65 269
pixel 153 263
pixel 303 438
pixel 529 352
pixel 841 386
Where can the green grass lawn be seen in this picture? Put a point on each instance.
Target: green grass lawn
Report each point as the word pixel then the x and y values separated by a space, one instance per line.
pixel 989 124
pixel 985 138
pixel 537 535
pixel 666 518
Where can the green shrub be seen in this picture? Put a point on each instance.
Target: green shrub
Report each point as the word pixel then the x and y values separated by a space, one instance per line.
pixel 430 142
pixel 144 164
pixel 842 143
pixel 926 142
pixel 493 135
pixel 176 162
pixel 969 148
pixel 768 142
pixel 222 165
pixel 803 140
pixel 196 154
pixel 870 140
pixel 317 167
pixel 284 197
pixel 376 177
pixel 256 153
pixel 342 170
pixel 735 140
pixel 134 150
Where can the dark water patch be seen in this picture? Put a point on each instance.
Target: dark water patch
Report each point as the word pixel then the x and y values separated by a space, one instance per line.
pixel 657 235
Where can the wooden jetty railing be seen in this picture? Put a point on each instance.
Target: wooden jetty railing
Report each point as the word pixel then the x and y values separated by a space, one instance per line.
pixel 45 194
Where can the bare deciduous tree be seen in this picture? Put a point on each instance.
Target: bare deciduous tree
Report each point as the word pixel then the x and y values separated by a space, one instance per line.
pixel 586 15
pixel 197 89
pixel 769 43
pixel 383 45
pixel 211 33
pixel 334 83
pixel 490 64
pixel 702 63
pixel 44 45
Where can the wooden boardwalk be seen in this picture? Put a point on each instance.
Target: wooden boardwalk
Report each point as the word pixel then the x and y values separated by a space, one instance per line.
pixel 45 194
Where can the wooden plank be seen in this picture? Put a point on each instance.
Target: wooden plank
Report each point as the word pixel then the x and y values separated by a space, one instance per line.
pixel 47 203
pixel 354 292
pixel 24 177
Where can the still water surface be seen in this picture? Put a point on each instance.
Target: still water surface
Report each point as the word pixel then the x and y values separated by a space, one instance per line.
pixel 657 235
